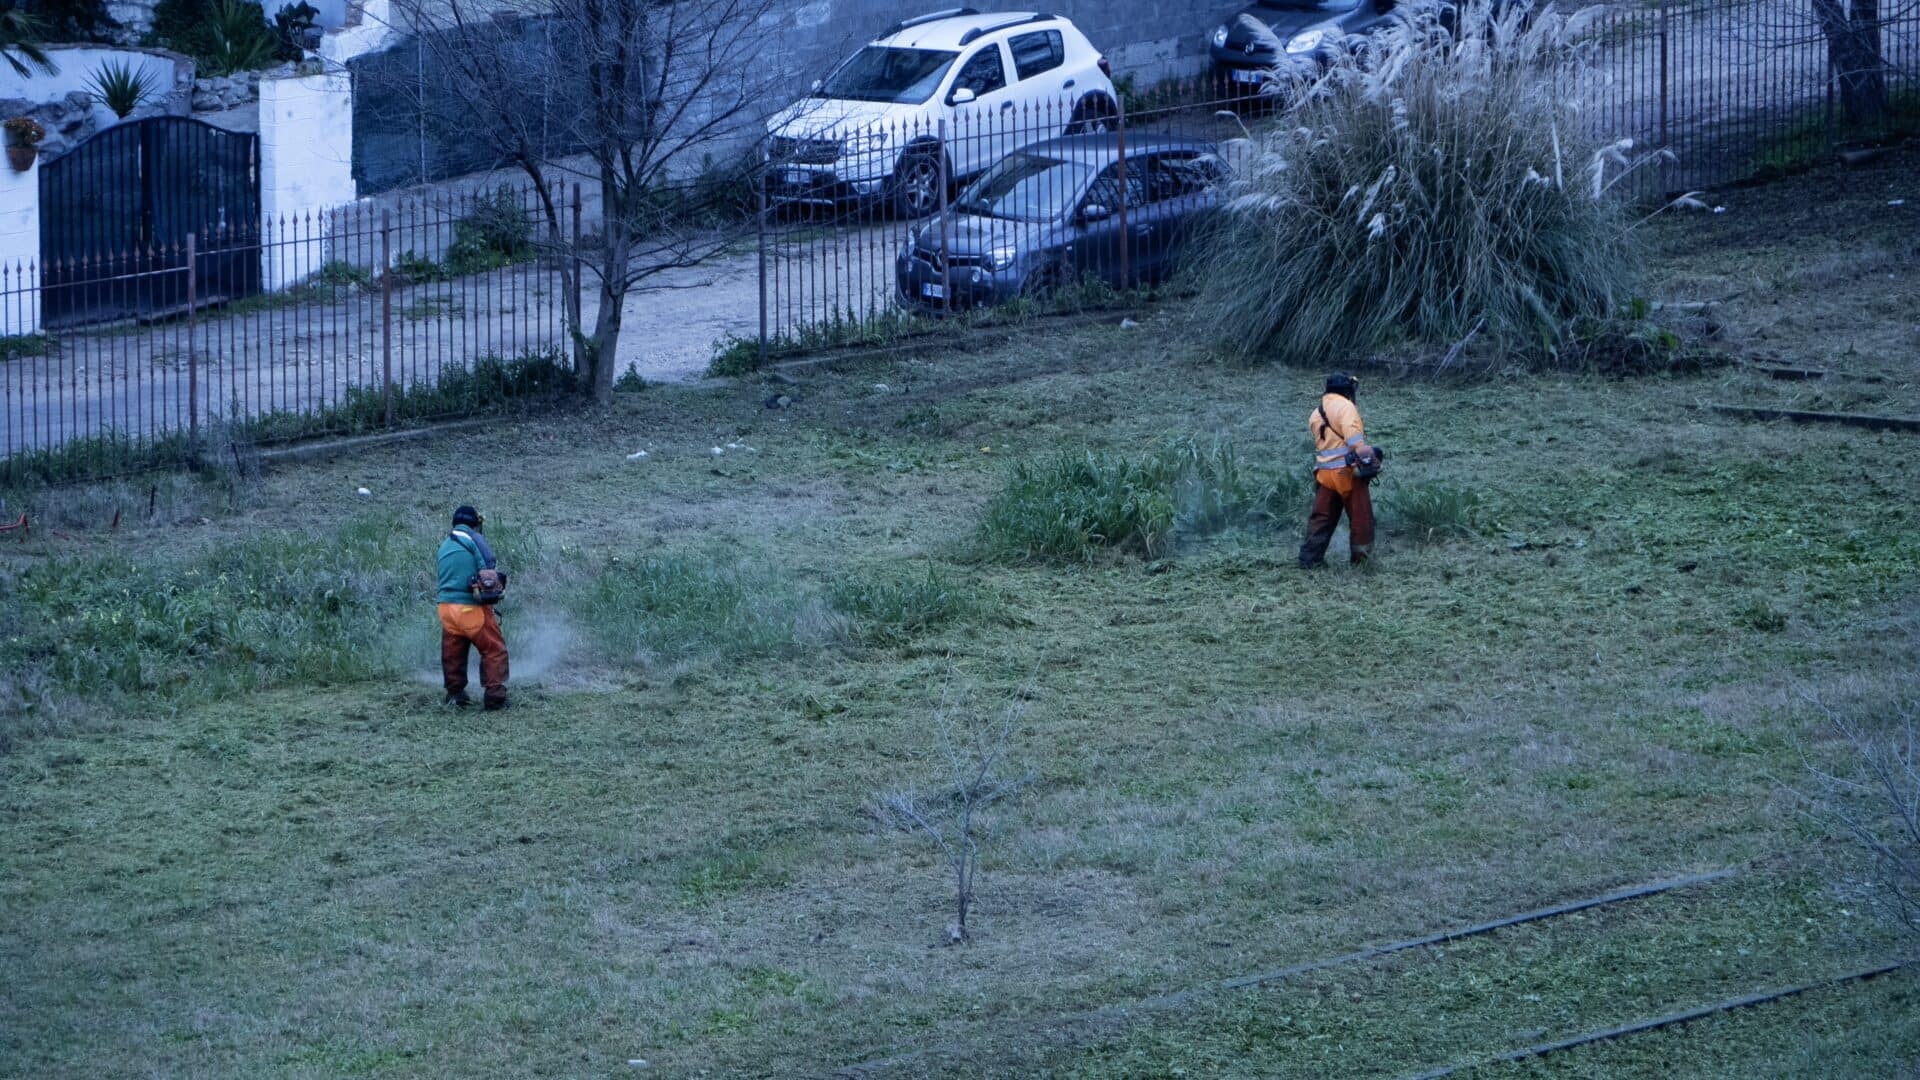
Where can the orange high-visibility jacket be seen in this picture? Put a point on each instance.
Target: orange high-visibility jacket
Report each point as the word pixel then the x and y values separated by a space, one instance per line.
pixel 1340 431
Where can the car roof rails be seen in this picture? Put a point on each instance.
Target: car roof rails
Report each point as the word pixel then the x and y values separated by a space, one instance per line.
pixel 931 16
pixel 978 32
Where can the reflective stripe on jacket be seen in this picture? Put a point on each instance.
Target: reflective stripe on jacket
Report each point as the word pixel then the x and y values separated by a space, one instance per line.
pixel 1339 432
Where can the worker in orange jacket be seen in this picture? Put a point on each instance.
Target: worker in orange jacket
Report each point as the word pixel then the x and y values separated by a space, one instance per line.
pixel 1339 441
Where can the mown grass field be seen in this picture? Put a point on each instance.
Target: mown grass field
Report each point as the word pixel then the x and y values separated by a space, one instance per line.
pixel 239 836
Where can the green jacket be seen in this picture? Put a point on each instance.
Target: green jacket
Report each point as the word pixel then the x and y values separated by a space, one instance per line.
pixel 460 559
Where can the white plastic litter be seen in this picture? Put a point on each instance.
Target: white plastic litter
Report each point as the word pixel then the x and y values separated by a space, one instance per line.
pixel 637 455
pixel 1719 209
pixel 881 387
pixel 716 451
pixel 1896 202
pixel 1128 324
pixel 364 493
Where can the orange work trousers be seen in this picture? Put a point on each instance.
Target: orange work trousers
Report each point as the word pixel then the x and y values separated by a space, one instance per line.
pixel 1334 491
pixel 462 625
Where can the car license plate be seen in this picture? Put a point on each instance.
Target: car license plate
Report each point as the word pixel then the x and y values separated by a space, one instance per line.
pixel 799 177
pixel 933 290
pixel 1242 75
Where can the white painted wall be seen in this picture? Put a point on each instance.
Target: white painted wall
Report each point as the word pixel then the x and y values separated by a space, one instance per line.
pixel 306 168
pixel 19 249
pixel 367 29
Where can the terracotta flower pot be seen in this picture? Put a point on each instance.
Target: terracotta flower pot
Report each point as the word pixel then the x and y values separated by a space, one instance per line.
pixel 21 157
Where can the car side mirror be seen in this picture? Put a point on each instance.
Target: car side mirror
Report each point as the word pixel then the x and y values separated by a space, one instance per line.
pixel 961 95
pixel 1093 212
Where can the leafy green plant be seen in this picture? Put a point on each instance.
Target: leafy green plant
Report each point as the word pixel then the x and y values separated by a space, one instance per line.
pixel 1425 190
pixel 122 87
pixel 15 346
pixel 497 231
pixel 629 381
pixel 222 36
pixel 291 26
pixel 1428 510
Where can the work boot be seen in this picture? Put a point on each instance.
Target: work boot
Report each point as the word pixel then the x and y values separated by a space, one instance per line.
pixel 458 701
pixel 494 705
pixel 1313 564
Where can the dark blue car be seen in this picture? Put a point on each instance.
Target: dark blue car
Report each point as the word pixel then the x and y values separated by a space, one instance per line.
pixel 1055 212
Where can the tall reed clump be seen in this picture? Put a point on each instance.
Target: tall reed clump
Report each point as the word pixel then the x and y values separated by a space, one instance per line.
pixel 1432 186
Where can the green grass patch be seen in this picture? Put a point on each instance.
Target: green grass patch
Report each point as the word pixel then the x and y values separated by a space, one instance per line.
pixel 1430 510
pixel 889 608
pixel 1072 507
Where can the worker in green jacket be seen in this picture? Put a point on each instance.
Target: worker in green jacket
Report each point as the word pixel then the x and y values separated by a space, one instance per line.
pixel 470 584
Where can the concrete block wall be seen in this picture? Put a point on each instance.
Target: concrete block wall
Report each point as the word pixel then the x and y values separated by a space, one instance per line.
pixel 19 250
pixel 306 168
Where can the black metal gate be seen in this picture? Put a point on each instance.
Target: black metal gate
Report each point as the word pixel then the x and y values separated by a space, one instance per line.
pixel 120 211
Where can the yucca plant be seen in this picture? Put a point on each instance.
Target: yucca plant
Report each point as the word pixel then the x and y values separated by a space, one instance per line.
pixel 1436 183
pixel 122 87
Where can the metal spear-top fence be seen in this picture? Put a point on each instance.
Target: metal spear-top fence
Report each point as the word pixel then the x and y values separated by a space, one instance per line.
pixel 370 316
pixel 366 317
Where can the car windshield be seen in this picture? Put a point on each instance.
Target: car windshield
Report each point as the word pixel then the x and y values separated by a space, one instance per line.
pixel 1027 187
pixel 878 73
pixel 1311 5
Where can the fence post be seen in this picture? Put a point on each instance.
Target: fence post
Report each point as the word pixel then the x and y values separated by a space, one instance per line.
pixel 579 330
pixel 193 364
pixel 1120 168
pixel 1664 83
pixel 386 312
pixel 946 254
pixel 760 237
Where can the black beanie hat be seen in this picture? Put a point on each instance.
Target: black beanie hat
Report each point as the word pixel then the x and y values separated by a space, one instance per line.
pixel 1343 384
pixel 466 515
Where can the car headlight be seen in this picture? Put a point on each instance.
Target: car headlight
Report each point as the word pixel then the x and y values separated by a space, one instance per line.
pixel 1309 41
pixel 1220 38
pixel 1001 257
pixel 870 143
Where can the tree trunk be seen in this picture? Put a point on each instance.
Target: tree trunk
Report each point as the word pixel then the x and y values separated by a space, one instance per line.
pixel 605 344
pixel 1854 54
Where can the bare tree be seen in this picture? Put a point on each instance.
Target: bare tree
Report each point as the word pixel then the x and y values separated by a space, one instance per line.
pixel 974 747
pixel 630 98
pixel 1875 796
pixel 1855 56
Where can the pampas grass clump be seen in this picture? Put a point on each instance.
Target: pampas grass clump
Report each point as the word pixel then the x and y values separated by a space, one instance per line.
pixel 1435 185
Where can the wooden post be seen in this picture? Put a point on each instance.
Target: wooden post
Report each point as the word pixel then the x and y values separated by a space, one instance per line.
pixel 386 312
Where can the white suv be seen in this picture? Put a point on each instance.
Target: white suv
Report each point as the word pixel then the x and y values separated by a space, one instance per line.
pixel 960 85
